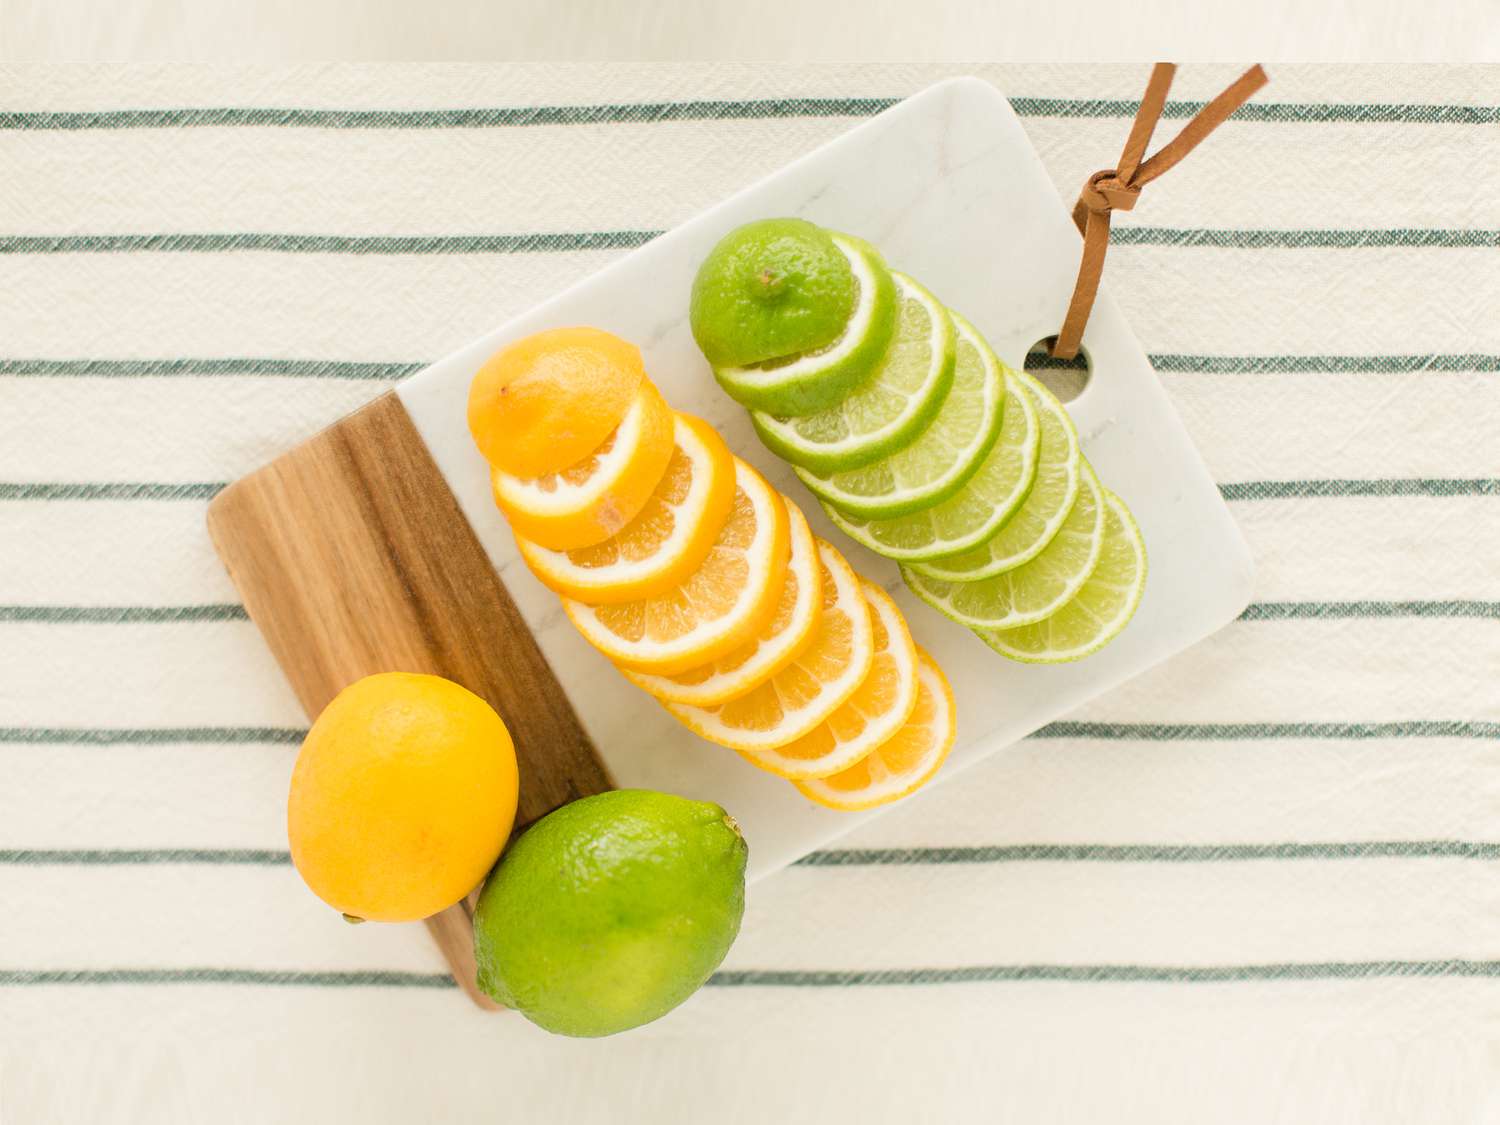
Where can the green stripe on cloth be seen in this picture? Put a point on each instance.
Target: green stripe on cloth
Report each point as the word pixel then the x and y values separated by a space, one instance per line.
pixel 1322 364
pixel 1237 490
pixel 1126 235
pixel 479 117
pixel 350 978
pixel 153 368
pixel 1290 611
pixel 1316 489
pixel 857 857
pixel 1279 113
pixel 146 857
pixel 1150 853
pixel 109 490
pixel 559 242
pixel 1259 731
pixel 150 736
pixel 572 241
pixel 1097 974
pixel 1163 362
pixel 798 978
pixel 225 611
pixel 121 614
pixel 626 113
pixel 1067 728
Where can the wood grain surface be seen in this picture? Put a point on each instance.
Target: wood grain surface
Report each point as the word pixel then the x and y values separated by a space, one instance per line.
pixel 353 557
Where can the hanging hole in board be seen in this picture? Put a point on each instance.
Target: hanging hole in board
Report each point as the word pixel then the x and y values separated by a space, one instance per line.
pixel 1066 378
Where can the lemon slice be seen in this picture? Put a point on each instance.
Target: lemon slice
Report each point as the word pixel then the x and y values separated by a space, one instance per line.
pixel 790 631
pixel 588 502
pixel 809 689
pixel 878 708
pixel 717 608
pixel 669 537
pixel 904 762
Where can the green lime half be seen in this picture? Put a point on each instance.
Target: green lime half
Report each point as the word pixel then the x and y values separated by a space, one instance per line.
pixel 1028 532
pixel 1034 591
pixel 890 408
pixel 945 455
pixel 770 288
pixel 971 514
pixel 1098 612
pixel 809 381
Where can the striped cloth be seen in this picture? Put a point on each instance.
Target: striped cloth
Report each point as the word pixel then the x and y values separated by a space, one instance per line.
pixel 1257 884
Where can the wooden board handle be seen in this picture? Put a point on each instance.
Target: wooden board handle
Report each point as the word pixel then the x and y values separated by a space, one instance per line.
pixel 353 557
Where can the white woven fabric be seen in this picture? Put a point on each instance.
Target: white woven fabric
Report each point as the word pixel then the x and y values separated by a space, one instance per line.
pixel 1260 887
pixel 279 31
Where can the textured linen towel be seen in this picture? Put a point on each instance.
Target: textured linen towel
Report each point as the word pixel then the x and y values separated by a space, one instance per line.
pixel 1257 884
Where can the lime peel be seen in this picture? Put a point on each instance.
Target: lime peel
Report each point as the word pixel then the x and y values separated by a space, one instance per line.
pixel 769 289
pixel 810 381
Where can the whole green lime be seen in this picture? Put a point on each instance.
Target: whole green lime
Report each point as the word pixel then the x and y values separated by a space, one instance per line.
pixel 769 289
pixel 611 911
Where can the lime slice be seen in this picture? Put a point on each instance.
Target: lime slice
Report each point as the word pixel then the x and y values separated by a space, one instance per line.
pixel 1098 612
pixel 973 513
pixel 889 409
pixel 1032 592
pixel 811 381
pixel 944 456
pixel 1026 534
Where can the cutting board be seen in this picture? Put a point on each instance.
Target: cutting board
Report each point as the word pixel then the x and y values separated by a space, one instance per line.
pixel 377 545
pixel 353 558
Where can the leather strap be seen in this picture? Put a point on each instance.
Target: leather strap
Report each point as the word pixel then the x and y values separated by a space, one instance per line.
pixel 1118 189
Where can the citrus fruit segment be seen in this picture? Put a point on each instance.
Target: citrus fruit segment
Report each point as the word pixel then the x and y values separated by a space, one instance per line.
pixel 594 498
pixel 551 398
pixel 878 708
pixel 976 510
pixel 812 686
pixel 402 797
pixel 944 455
pixel 714 610
pixel 809 381
pixel 799 608
pixel 1032 592
pixel 768 289
pixel 888 409
pixel 1098 612
pixel 1021 538
pixel 666 541
pixel 904 762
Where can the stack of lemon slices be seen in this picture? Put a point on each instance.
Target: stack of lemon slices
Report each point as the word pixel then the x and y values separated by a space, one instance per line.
pixel 703 584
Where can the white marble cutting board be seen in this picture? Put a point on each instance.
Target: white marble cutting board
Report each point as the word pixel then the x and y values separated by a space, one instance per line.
pixel 948 186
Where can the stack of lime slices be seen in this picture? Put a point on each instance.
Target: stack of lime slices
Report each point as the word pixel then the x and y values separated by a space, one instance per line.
pixel 918 441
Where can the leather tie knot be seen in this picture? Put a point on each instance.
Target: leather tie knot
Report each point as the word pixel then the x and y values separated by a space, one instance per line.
pixel 1105 191
pixel 1117 189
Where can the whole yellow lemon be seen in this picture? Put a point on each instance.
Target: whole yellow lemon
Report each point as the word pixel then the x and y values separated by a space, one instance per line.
pixel 403 794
